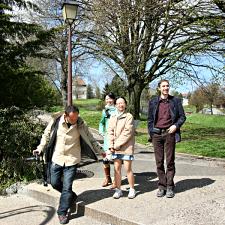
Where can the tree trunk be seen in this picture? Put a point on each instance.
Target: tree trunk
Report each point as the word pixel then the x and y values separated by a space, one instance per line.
pixel 211 108
pixel 134 100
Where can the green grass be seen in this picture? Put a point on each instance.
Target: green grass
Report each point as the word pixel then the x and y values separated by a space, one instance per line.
pixel 88 111
pixel 203 135
pixel 87 103
pixel 92 117
pixel 216 121
pixel 190 109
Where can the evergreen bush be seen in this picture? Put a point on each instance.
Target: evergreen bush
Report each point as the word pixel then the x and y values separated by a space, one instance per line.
pixel 19 135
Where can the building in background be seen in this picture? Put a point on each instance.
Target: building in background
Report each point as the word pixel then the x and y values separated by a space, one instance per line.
pixel 79 88
pixel 185 99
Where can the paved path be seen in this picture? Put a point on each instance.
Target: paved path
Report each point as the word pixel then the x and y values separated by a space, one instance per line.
pixel 23 210
pixel 199 199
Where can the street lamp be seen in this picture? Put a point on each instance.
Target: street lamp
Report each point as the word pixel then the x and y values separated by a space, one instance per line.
pixel 69 9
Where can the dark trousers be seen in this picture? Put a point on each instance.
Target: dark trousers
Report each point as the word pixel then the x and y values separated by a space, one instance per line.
pixel 164 144
pixel 62 180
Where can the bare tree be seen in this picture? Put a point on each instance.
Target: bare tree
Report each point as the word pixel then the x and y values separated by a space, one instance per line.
pixel 49 16
pixel 207 94
pixel 147 39
pixel 197 99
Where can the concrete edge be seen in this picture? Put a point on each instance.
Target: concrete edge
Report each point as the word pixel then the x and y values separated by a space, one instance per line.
pixel 39 196
pixel 185 155
pixel 103 216
pixel 81 208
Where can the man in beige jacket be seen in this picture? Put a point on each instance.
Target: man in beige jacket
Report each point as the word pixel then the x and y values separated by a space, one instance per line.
pixel 73 138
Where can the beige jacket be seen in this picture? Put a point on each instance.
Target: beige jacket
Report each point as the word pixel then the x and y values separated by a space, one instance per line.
pixel 121 134
pixel 70 142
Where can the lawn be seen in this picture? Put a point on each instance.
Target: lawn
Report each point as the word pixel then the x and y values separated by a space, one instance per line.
pixel 201 134
pixel 88 111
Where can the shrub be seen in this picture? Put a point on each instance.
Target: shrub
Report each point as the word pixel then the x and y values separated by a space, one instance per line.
pixel 101 105
pixel 19 135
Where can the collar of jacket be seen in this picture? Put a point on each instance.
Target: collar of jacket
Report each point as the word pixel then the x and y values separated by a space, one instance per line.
pixel 123 115
pixel 80 122
pixel 170 97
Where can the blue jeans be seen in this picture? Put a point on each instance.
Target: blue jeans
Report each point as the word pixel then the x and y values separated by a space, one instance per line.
pixel 62 180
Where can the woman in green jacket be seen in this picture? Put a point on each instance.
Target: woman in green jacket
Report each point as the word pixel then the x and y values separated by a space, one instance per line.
pixel 109 110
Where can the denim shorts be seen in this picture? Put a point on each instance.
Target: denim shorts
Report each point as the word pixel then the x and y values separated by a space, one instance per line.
pixel 122 156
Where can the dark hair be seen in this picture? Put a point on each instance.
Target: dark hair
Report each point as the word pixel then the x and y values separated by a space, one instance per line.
pixel 111 95
pixel 122 98
pixel 164 80
pixel 71 108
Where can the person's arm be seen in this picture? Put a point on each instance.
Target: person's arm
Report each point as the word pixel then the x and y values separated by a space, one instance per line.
pixel 101 128
pixel 150 117
pixel 96 146
pixel 181 114
pixel 111 127
pixel 126 134
pixel 44 139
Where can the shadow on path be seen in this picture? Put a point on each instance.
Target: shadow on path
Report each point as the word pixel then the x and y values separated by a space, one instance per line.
pixel 187 184
pixel 49 211
pixel 143 183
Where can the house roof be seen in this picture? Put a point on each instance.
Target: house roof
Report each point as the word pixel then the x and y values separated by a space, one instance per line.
pixel 79 82
pixel 185 95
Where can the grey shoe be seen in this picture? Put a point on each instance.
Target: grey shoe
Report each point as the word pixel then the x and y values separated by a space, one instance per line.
pixel 160 192
pixel 169 192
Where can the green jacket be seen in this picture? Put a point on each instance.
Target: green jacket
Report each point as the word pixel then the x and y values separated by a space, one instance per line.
pixel 104 123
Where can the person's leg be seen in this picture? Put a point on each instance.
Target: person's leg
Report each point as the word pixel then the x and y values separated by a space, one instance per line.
pixel 108 179
pixel 130 175
pixel 67 195
pixel 113 186
pixel 170 159
pixel 158 143
pixel 56 177
pixel 117 168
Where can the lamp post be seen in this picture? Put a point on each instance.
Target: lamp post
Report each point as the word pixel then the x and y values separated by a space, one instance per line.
pixel 69 9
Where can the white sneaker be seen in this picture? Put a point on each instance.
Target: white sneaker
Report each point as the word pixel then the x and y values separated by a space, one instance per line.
pixel 132 193
pixel 118 193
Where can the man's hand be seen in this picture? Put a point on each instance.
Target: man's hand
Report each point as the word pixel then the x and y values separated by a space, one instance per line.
pixel 36 152
pixel 172 129
pixel 112 150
